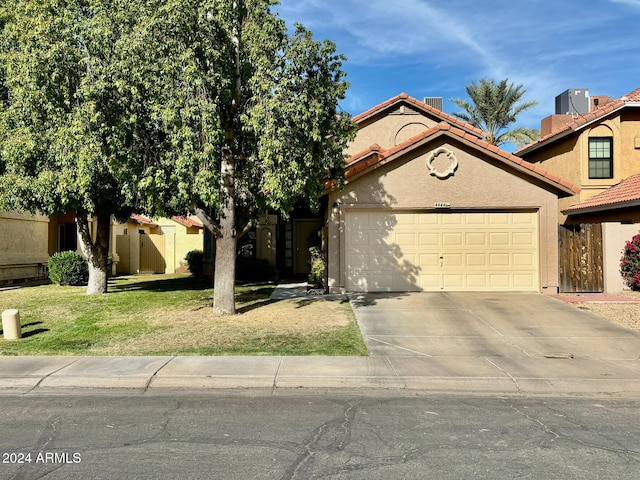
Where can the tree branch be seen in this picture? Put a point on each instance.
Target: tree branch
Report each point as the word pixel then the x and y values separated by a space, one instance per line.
pixel 207 221
pixel 86 243
pixel 246 229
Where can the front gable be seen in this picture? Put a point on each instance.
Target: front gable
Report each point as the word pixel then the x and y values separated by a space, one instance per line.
pixel 403 179
pixel 397 120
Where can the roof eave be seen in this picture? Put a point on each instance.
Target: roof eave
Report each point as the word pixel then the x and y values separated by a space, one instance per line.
pixel 602 208
pixel 535 146
pixel 527 171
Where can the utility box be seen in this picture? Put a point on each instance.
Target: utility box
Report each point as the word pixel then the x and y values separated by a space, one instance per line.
pixel 11 324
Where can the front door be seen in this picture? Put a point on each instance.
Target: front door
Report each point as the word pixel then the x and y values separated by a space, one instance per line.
pixel 303 232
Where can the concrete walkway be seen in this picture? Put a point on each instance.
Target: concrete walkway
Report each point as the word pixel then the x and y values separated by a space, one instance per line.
pixel 495 357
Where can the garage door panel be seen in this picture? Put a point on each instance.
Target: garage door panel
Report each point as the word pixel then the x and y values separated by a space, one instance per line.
pixel 499 218
pixel 429 282
pixel 525 239
pixel 474 219
pixel 475 260
pixel 429 260
pixel 499 281
pixel 477 281
pixel 452 219
pixel 453 281
pixel 403 251
pixel 522 218
pixel 524 260
pixel 524 282
pixel 499 239
pixel 453 260
pixel 475 239
pixel 452 239
pixel 499 259
pixel 429 239
pixel 405 239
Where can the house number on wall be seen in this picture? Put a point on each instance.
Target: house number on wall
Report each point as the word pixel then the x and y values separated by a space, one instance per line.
pixel 453 162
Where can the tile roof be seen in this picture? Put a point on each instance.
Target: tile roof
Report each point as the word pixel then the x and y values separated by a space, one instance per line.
pixel 403 97
pixel 143 220
pixel 375 154
pixel 626 193
pixel 632 98
pixel 187 222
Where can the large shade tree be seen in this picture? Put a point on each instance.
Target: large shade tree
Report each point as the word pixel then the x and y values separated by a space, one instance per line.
pixel 493 108
pixel 74 129
pixel 249 116
pixel 172 106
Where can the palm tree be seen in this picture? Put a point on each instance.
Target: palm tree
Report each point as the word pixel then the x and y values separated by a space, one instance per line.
pixel 493 108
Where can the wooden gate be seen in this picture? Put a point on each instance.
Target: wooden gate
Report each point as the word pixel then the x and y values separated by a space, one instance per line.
pixel 581 258
pixel 152 254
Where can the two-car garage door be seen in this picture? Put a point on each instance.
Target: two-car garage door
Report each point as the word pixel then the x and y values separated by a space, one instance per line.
pixel 455 251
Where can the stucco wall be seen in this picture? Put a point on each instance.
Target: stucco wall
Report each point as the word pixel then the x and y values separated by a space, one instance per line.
pixel 614 237
pixel 390 130
pixel 569 158
pixel 477 184
pixel 24 246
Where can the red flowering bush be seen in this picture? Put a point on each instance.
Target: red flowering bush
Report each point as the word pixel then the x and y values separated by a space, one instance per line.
pixel 630 263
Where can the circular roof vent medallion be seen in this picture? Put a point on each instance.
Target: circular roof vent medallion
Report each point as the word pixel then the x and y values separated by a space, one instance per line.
pixel 450 166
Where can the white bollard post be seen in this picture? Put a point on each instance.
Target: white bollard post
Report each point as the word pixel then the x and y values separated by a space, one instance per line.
pixel 11 324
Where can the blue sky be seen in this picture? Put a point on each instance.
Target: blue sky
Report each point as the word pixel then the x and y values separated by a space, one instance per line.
pixel 429 48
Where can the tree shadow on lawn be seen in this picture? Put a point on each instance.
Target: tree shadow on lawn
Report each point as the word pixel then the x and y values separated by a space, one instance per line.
pixel 303 302
pixel 160 285
pixel 255 305
pixel 246 300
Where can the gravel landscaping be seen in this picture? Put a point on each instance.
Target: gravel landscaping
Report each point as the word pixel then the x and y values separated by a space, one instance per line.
pixel 624 314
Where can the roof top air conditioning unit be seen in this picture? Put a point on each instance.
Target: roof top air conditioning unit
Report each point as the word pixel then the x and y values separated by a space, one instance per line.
pixel 435 102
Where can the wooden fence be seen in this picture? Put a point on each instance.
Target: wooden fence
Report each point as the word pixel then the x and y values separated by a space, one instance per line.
pixel 581 258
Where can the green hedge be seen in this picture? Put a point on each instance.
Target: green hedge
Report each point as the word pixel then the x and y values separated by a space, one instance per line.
pixel 68 268
pixel 195 262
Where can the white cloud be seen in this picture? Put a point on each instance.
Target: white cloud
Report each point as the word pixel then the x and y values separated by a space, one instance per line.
pixel 428 47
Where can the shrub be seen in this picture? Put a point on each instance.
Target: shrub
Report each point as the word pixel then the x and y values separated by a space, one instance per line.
pixel 195 262
pixel 630 263
pixel 316 276
pixel 68 268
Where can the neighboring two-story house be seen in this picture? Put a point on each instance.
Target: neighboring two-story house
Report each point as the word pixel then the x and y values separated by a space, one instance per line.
pixel 594 142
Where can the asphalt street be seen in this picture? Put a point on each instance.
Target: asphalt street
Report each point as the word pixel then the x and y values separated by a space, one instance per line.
pixel 317 435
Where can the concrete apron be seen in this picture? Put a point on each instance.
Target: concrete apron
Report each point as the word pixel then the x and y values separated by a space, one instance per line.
pixel 531 343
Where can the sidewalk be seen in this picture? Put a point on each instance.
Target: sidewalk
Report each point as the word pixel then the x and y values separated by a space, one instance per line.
pixel 499 376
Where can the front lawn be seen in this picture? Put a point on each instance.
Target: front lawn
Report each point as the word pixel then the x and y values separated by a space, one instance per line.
pixel 172 315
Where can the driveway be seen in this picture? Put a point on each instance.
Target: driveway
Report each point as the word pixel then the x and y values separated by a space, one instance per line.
pixel 498 326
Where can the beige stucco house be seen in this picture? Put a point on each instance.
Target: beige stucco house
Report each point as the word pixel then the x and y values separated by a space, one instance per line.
pixel 429 206
pixel 143 245
pixel 598 150
pixel 140 245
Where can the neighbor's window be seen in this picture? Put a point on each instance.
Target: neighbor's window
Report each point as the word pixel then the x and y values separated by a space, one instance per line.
pixel 601 157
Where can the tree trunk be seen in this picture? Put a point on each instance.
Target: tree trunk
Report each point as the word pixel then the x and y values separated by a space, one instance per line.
pixel 96 252
pixel 224 302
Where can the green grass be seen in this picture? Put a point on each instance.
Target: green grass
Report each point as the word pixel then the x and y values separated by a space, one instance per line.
pixel 172 315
